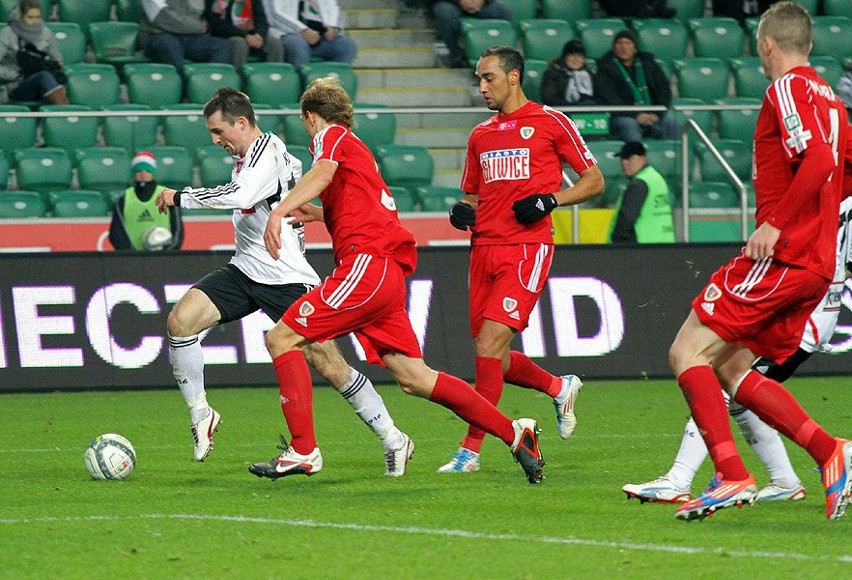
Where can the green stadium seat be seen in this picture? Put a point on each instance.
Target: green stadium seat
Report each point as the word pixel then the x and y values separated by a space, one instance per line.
pixel 751 30
pixel 404 200
pixel 155 85
pixel 303 154
pixel 837 8
pixel 543 39
pixel 129 10
pixel 84 12
pixel 340 70
pixel 103 168
pixel 272 83
pixel 481 33
pixel 373 127
pixel 4 172
pixel 133 132
pixel 665 38
pixel 704 119
pixel 828 68
pixel 718 37
pixel 78 203
pixel 687 9
pixel 832 36
pixel 114 42
pixel 69 131
pixel 701 78
pixel 609 162
pixel 738 124
pixel 521 10
pixel 568 11
pixel 71 41
pixel 174 166
pixel 735 152
pixel 438 197
pixel 712 195
pixel 21 205
pixel 43 169
pixel 202 79
pixel 665 156
pixel 189 130
pixel 533 75
pixel 409 166
pixel 214 165
pixel 749 78
pixel 93 85
pixel 16 132
pixel 597 34
pixel 294 131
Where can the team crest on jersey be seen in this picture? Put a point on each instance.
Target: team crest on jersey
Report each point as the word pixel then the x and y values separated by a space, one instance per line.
pixel 509 304
pixel 505 165
pixel 712 293
pixel 527 132
pixel 306 309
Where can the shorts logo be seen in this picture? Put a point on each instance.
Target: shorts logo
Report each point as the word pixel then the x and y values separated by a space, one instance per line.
pixel 515 315
pixel 509 304
pixel 306 309
pixel 712 293
pixel 303 321
pixel 708 307
pixel 527 132
pixel 283 400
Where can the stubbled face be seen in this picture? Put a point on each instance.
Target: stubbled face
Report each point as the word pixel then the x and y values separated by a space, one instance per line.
pixel 624 49
pixel 229 137
pixel 493 82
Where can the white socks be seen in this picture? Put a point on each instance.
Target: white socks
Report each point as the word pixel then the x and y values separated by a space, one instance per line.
pixel 767 445
pixel 188 369
pixel 689 457
pixel 369 406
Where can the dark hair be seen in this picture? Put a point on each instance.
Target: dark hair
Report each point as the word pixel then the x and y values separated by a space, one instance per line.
pixel 573 46
pixel 510 58
pixel 327 98
pixel 25 6
pixel 231 103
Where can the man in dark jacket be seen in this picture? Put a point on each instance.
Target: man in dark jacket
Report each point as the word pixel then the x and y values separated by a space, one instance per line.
pixel 448 15
pixel 244 24
pixel 627 76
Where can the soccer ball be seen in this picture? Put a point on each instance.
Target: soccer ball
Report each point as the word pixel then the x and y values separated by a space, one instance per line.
pixel 156 239
pixel 110 456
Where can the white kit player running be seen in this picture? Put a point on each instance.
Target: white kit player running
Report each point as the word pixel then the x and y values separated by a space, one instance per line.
pixel 264 172
pixel 784 484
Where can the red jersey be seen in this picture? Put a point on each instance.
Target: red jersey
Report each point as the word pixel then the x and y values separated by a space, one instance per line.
pixel 512 156
pixel 800 110
pixel 358 209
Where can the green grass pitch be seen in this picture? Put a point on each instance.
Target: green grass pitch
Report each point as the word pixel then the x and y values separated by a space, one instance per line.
pixel 176 518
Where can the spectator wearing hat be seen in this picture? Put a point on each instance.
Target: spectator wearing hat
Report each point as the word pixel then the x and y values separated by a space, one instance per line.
pixel 135 213
pixel 568 80
pixel 643 213
pixel 448 15
pixel 628 76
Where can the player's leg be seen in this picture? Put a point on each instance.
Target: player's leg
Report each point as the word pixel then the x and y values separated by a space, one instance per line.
pixel 191 315
pixel 359 392
pixel 520 435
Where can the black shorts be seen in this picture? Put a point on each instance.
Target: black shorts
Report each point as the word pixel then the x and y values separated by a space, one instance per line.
pixel 236 295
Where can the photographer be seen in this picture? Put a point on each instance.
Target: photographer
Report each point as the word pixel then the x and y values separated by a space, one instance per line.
pixel 30 61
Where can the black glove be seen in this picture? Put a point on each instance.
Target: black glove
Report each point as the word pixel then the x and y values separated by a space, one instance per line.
pixel 462 215
pixel 534 207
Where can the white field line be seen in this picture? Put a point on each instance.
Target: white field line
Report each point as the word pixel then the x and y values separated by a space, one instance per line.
pixel 570 541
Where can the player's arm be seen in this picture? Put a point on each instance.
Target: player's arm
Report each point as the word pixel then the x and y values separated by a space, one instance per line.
pixel 535 207
pixel 463 213
pixel 310 186
pixel 624 230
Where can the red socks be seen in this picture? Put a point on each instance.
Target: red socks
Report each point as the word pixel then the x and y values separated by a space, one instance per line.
pixel 297 397
pixel 489 384
pixel 525 373
pixel 777 407
pixel 457 396
pixel 704 395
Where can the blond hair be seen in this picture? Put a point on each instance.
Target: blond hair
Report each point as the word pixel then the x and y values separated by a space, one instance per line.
pixel 327 98
pixel 789 25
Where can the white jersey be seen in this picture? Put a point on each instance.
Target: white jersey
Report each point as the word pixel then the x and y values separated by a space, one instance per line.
pixel 821 324
pixel 259 181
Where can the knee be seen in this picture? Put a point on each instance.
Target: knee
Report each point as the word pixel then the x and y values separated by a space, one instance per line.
pixel 179 323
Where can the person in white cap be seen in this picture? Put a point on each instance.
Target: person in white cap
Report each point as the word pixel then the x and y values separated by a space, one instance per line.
pixel 136 222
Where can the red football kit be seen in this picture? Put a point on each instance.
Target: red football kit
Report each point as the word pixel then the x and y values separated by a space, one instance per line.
pixel 765 304
pixel 366 293
pixel 510 157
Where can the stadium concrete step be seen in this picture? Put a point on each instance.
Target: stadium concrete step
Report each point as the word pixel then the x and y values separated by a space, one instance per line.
pixel 434 137
pixel 370 18
pixel 414 87
pixel 448 158
pixel 393 48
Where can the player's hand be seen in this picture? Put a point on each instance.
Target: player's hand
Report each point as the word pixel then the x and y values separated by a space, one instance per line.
pixel 272 235
pixel 534 207
pixel 462 215
pixel 165 200
pixel 761 244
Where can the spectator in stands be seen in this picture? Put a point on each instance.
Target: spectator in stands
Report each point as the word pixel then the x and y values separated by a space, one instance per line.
pixel 628 76
pixel 309 30
pixel 637 8
pixel 175 30
pixel 740 9
pixel 568 80
pixel 844 88
pixel 30 61
pixel 135 213
pixel 244 24
pixel 643 213
pixel 448 15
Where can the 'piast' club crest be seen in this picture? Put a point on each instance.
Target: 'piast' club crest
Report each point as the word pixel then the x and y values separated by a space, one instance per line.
pixel 306 309
pixel 509 304
pixel 527 132
pixel 712 293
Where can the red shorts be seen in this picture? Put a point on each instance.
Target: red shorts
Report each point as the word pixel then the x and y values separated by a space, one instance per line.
pixel 366 295
pixel 505 283
pixel 763 305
